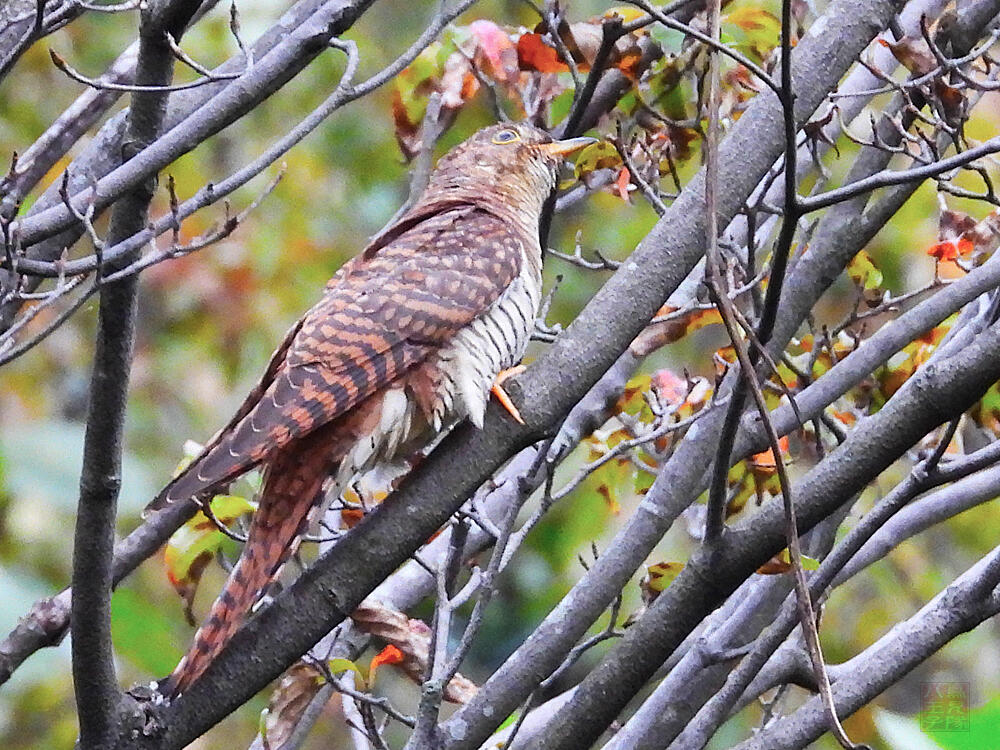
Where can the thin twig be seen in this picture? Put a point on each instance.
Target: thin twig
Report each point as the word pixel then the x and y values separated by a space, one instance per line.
pixel 97 83
pixel 707 40
pixel 888 177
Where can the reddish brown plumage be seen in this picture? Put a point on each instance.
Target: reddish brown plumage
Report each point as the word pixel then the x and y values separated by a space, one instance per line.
pixel 384 323
pixel 292 485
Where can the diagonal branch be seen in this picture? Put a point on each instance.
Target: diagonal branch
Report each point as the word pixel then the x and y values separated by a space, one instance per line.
pixel 332 588
pixel 932 396
pixel 889 177
pixel 290 44
pixel 967 602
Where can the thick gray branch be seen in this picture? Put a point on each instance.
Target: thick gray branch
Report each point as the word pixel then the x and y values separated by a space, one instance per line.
pixel 937 392
pixel 966 603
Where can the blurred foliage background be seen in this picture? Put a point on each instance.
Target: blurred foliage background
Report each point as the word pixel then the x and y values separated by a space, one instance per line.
pixel 210 320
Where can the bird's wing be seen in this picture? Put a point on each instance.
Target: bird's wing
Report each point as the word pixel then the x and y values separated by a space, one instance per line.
pixel 383 313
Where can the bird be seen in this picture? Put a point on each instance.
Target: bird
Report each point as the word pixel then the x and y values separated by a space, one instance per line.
pixel 407 339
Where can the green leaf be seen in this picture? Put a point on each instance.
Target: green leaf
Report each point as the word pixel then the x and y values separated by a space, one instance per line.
pixel 340 664
pixel 751 30
pixel 195 544
pixel 560 106
pixel 598 156
pixel 660 575
pixel 809 563
pixel 863 271
pixel 509 721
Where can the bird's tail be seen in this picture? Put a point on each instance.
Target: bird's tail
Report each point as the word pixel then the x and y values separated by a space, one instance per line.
pixel 292 488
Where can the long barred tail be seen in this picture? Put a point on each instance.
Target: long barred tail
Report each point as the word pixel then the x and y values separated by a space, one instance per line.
pixel 292 487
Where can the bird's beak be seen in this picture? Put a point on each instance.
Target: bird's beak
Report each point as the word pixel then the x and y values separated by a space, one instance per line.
pixel 566 147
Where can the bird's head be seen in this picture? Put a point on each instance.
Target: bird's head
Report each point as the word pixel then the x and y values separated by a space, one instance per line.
pixel 514 166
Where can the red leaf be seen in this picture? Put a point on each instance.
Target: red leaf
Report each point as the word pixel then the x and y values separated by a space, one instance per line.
pixel 496 48
pixel 534 54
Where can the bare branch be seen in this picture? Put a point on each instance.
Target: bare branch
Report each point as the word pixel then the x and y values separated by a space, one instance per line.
pixel 97 694
pixel 888 177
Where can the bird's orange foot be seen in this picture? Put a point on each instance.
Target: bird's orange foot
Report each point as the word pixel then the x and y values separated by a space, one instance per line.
pixel 501 394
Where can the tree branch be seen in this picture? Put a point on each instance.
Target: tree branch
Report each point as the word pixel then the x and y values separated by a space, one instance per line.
pixel 37 19
pixel 890 177
pixel 94 681
pixel 929 398
pixel 967 602
pixel 290 44
pixel 53 144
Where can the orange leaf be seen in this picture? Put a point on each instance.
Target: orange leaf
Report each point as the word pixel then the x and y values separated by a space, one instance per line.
pixel 764 461
pixel 534 54
pixel 700 318
pixel 629 64
pixel 782 563
pixel 846 417
pixel 351 517
pixel 775 566
pixel 605 491
pixel 389 655
pixel 943 250
pixel 623 182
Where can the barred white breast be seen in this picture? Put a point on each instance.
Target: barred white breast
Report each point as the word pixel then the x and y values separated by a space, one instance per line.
pixel 493 342
pixel 467 368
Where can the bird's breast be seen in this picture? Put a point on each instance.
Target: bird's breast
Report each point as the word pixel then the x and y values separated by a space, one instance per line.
pixel 461 374
pixel 494 341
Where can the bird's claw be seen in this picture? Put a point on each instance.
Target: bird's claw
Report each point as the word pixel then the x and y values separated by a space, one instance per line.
pixel 501 394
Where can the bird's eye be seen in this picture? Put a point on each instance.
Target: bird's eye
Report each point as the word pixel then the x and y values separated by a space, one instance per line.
pixel 506 136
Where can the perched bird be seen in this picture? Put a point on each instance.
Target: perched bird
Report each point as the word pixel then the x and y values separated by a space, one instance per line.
pixel 408 339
